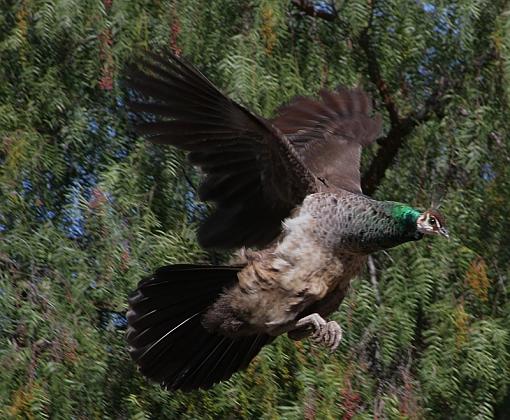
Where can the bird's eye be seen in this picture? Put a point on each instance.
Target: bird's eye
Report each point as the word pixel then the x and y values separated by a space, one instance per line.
pixel 432 221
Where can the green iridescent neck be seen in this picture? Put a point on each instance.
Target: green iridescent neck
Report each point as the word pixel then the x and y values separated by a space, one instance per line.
pixel 405 215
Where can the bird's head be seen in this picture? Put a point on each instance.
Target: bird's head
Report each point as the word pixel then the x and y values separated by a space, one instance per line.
pixel 431 222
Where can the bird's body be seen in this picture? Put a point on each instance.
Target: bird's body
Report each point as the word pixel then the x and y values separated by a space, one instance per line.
pixel 308 268
pixel 288 195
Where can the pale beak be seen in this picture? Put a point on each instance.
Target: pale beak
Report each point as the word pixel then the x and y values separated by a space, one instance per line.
pixel 444 232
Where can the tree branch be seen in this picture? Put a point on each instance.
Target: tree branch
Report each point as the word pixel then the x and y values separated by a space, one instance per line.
pixel 401 127
pixel 374 72
pixel 323 10
pixel 390 145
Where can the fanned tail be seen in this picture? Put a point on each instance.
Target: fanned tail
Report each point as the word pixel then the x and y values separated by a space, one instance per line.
pixel 165 332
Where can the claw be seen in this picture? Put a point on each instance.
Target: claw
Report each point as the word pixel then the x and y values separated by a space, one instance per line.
pixel 335 335
pixel 327 333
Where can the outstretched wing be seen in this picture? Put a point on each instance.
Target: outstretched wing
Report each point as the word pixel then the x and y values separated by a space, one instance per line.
pixel 329 132
pixel 253 173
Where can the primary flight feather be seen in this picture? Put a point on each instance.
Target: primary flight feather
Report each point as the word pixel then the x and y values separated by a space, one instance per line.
pixel 287 194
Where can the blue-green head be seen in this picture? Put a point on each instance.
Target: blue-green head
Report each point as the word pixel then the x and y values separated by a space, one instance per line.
pixel 429 222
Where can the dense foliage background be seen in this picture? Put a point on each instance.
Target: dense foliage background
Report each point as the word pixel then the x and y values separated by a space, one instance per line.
pixel 86 208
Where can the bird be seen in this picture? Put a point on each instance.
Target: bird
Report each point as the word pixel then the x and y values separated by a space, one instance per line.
pixel 287 199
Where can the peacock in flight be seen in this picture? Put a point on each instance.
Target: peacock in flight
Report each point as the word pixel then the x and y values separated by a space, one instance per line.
pixel 287 196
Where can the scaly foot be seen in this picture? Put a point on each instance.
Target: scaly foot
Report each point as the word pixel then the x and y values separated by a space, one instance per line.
pixel 319 330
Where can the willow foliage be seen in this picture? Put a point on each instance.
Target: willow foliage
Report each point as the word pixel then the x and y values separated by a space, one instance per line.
pixel 87 209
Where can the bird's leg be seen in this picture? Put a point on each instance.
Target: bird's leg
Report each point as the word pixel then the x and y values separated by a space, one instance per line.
pixel 319 330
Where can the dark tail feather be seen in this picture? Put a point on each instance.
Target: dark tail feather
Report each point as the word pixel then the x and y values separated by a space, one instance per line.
pixel 165 332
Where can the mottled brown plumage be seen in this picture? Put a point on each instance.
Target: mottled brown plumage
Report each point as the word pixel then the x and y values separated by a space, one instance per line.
pixel 288 194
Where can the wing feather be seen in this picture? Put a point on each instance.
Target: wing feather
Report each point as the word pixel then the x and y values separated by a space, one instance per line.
pixel 329 133
pixel 253 173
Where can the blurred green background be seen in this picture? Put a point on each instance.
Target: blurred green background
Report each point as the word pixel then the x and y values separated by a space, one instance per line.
pixel 87 208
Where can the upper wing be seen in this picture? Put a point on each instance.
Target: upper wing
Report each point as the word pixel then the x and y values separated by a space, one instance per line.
pixel 329 133
pixel 252 171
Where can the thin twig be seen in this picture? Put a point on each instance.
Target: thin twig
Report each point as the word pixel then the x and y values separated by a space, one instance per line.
pixel 373 279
